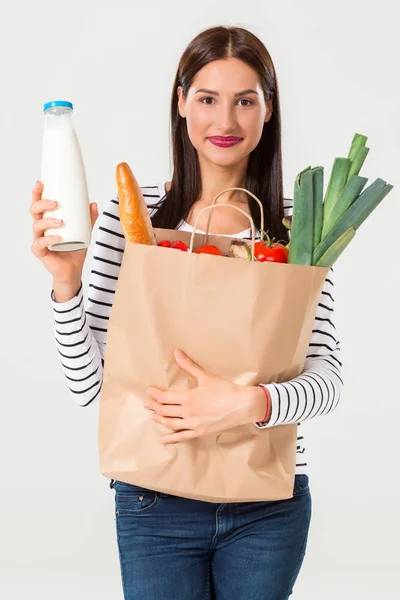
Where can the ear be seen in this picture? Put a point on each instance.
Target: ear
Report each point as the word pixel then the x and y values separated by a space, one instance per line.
pixel 181 102
pixel 269 108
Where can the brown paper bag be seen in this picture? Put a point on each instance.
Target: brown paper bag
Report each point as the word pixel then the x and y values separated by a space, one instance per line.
pixel 246 321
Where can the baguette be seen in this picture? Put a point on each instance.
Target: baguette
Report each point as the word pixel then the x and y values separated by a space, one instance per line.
pixel 133 213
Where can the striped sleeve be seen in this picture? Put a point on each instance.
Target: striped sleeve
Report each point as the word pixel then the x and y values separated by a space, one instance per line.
pixel 318 389
pixel 78 349
pixel 80 334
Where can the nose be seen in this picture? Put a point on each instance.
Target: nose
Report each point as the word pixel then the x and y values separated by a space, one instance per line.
pixel 225 118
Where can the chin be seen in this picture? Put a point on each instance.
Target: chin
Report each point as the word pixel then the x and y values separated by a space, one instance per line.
pixel 220 161
pixel 225 156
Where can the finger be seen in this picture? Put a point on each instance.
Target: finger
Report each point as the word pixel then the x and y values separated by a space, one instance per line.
pixel 40 246
pixel 165 410
pixel 42 224
pixel 188 365
pixel 166 396
pixel 171 423
pixel 182 436
pixel 37 208
pixel 37 191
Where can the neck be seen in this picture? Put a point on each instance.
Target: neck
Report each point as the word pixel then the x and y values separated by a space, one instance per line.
pixel 215 179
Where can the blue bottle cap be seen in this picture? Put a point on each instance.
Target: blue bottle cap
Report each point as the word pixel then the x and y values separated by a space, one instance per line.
pixel 57 103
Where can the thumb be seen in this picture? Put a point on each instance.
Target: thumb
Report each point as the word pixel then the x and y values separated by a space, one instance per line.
pixel 188 365
pixel 94 213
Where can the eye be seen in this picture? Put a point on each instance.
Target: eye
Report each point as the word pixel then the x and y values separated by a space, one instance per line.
pixel 206 98
pixel 246 100
pixel 241 100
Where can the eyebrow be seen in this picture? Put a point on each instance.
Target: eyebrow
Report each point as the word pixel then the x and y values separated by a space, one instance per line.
pixel 249 91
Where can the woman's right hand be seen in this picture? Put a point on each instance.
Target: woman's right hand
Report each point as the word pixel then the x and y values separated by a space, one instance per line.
pixel 65 267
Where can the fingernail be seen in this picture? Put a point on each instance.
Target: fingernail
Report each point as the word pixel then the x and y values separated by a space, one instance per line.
pixel 180 353
pixel 37 184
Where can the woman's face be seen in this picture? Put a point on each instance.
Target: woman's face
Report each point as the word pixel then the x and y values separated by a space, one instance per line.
pixel 226 112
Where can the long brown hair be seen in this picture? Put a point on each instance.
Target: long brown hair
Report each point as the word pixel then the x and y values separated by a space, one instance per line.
pixel 264 171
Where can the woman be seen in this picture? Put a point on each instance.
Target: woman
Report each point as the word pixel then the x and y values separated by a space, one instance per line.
pixel 172 547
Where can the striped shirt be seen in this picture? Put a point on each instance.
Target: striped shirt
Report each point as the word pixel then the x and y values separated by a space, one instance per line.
pixel 80 335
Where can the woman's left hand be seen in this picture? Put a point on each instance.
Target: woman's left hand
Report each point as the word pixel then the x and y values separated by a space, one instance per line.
pixel 213 406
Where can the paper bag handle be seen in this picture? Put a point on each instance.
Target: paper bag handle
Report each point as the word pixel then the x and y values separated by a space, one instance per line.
pixel 211 207
pixel 227 190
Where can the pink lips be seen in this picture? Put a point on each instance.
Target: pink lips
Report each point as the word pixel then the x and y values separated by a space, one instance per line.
pixel 224 141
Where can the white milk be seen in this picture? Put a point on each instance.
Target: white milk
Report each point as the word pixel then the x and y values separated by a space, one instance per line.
pixel 64 179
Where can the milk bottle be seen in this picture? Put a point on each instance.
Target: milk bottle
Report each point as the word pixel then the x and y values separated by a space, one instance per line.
pixel 64 178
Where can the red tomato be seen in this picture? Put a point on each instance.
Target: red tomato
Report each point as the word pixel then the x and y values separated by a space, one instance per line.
pixel 164 243
pixel 209 249
pixel 265 252
pixel 287 252
pixel 179 245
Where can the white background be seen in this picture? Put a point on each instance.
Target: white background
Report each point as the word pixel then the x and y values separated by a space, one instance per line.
pixel 337 66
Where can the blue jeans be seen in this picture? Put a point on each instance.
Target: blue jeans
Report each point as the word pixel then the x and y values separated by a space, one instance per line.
pixel 173 548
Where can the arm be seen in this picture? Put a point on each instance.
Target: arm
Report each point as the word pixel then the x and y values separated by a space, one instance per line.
pixel 318 389
pixel 80 335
